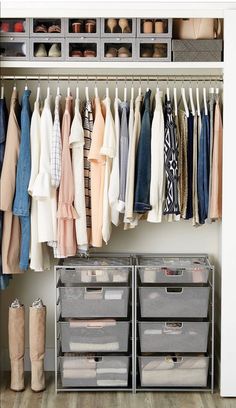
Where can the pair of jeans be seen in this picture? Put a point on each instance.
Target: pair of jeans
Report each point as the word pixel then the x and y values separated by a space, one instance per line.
pixel 143 163
pixel 4 279
pixel 204 169
pixel 189 211
pixel 21 205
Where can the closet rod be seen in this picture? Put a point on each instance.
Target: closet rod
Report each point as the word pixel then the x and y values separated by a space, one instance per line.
pixel 170 78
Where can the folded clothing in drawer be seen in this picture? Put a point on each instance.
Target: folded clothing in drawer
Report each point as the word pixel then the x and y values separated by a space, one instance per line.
pixel 174 371
pixel 94 336
pixel 94 302
pixel 103 371
pixel 179 337
pixel 173 302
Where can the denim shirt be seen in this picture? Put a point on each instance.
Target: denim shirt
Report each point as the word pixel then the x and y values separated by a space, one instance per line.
pixel 21 205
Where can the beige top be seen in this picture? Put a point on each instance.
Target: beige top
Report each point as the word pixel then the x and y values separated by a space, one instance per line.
pixel 216 189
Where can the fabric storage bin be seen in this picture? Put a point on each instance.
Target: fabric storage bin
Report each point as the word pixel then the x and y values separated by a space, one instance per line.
pixel 94 336
pixel 172 302
pixel 82 27
pixel 154 27
pixel 17 27
pixel 174 371
pixel 94 302
pixel 47 49
pixel 179 337
pixel 174 270
pixel 14 48
pixel 118 27
pixel 197 50
pixel 153 49
pixel 83 49
pixel 106 371
pixel 43 27
pixel 118 49
pixel 94 274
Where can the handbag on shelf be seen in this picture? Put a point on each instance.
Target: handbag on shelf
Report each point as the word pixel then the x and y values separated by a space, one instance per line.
pixel 197 28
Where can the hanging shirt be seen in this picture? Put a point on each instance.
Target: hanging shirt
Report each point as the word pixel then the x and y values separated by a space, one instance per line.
pixel 189 210
pixel 97 161
pixel 216 189
pixel 123 152
pixel 108 150
pixel 39 257
pixel 196 130
pixel 66 211
pixel 157 163
pixel 203 169
pixel 77 146
pixel 56 149
pixel 11 223
pixel 183 162
pixel 143 161
pixel 171 162
pixel 211 110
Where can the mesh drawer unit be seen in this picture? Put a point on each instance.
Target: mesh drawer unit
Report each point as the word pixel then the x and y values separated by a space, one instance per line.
pixel 174 302
pixel 174 270
pixel 105 371
pixel 94 336
pixel 171 371
pixel 168 337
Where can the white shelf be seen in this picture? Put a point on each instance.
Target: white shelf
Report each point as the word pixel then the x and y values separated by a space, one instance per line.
pixel 118 64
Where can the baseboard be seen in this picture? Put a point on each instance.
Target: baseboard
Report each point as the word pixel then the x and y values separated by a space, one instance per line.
pixel 48 362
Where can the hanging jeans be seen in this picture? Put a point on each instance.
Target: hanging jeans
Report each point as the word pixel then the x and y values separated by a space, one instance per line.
pixel 204 169
pixel 189 212
pixel 4 279
pixel 143 164
pixel 21 205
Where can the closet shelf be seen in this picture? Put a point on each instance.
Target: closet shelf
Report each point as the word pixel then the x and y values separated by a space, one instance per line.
pixel 118 64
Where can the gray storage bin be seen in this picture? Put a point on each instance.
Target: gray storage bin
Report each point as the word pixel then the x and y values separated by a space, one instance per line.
pixel 197 50
pixel 172 302
pixel 94 274
pixel 94 336
pixel 106 371
pixel 47 23
pixel 117 31
pixel 94 302
pixel 48 42
pixel 179 337
pixel 8 27
pixel 117 43
pixel 174 371
pixel 82 27
pixel 80 45
pixel 14 48
pixel 153 49
pixel 155 24
pixel 174 269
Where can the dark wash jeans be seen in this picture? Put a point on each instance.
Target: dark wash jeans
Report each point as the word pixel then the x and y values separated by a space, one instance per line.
pixel 204 169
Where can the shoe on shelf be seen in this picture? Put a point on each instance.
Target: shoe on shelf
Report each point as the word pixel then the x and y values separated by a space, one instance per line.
pixel 124 25
pixel 123 52
pixel 41 28
pixel 90 26
pixel 55 51
pixel 90 53
pixel 111 25
pixel 54 28
pixel 40 51
pixel 112 52
pixel 146 53
pixel 76 53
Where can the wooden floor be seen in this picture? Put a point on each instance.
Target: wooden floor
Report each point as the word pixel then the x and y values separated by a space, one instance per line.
pixel 48 398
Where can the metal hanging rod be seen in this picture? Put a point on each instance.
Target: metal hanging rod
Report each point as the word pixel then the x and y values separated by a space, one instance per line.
pixel 170 78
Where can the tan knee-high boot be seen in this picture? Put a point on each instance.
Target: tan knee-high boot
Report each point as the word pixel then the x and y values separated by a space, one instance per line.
pixel 37 334
pixel 16 332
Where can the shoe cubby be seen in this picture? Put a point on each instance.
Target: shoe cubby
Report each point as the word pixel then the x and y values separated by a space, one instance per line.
pixel 82 27
pixel 14 48
pixel 118 49
pixel 82 49
pixel 154 27
pixel 43 27
pixel 17 27
pixel 46 49
pixel 118 27
pixel 153 49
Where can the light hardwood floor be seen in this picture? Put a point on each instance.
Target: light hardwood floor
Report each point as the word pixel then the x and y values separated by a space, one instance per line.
pixel 48 398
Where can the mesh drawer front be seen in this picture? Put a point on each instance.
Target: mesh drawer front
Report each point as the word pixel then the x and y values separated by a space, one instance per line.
pixel 164 302
pixel 103 371
pixel 94 274
pixel 94 302
pixel 174 372
pixel 166 337
pixel 94 336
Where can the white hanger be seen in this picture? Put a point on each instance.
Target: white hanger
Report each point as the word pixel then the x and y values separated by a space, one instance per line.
pixel 2 92
pixel 191 101
pixel 14 86
pixel 58 90
pixel 48 91
pixel 168 94
pixel 87 93
pixel 198 102
pixel 125 92
pixel 217 91
pixel 175 101
pixel 185 101
pixel 77 92
pixel 96 91
pixel 205 101
pixel 107 89
pixel 68 91
pixel 211 90
pixel 38 94
pixel 132 93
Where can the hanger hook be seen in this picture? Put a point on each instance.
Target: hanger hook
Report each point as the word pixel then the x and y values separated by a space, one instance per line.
pixel 87 80
pixel 58 81
pixel 116 82
pixel 77 80
pixel 107 82
pixel 26 81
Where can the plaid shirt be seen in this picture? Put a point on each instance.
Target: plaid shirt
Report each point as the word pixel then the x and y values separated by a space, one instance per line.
pixel 56 146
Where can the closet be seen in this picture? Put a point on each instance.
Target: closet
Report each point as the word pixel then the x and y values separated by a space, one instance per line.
pixel 216 239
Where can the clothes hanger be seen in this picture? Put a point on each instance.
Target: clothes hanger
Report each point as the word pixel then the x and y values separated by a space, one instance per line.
pixel 147 84
pixel 95 89
pixel 191 101
pixel 140 87
pixel 168 91
pixel 26 85
pixel 205 101
pixel 14 86
pixel 87 91
pixel 184 101
pixel 125 92
pixel 107 89
pixel 175 101
pixel 68 88
pixel 198 101
pixel 116 90
pixel 2 92
pixel 132 90
pixel 58 87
